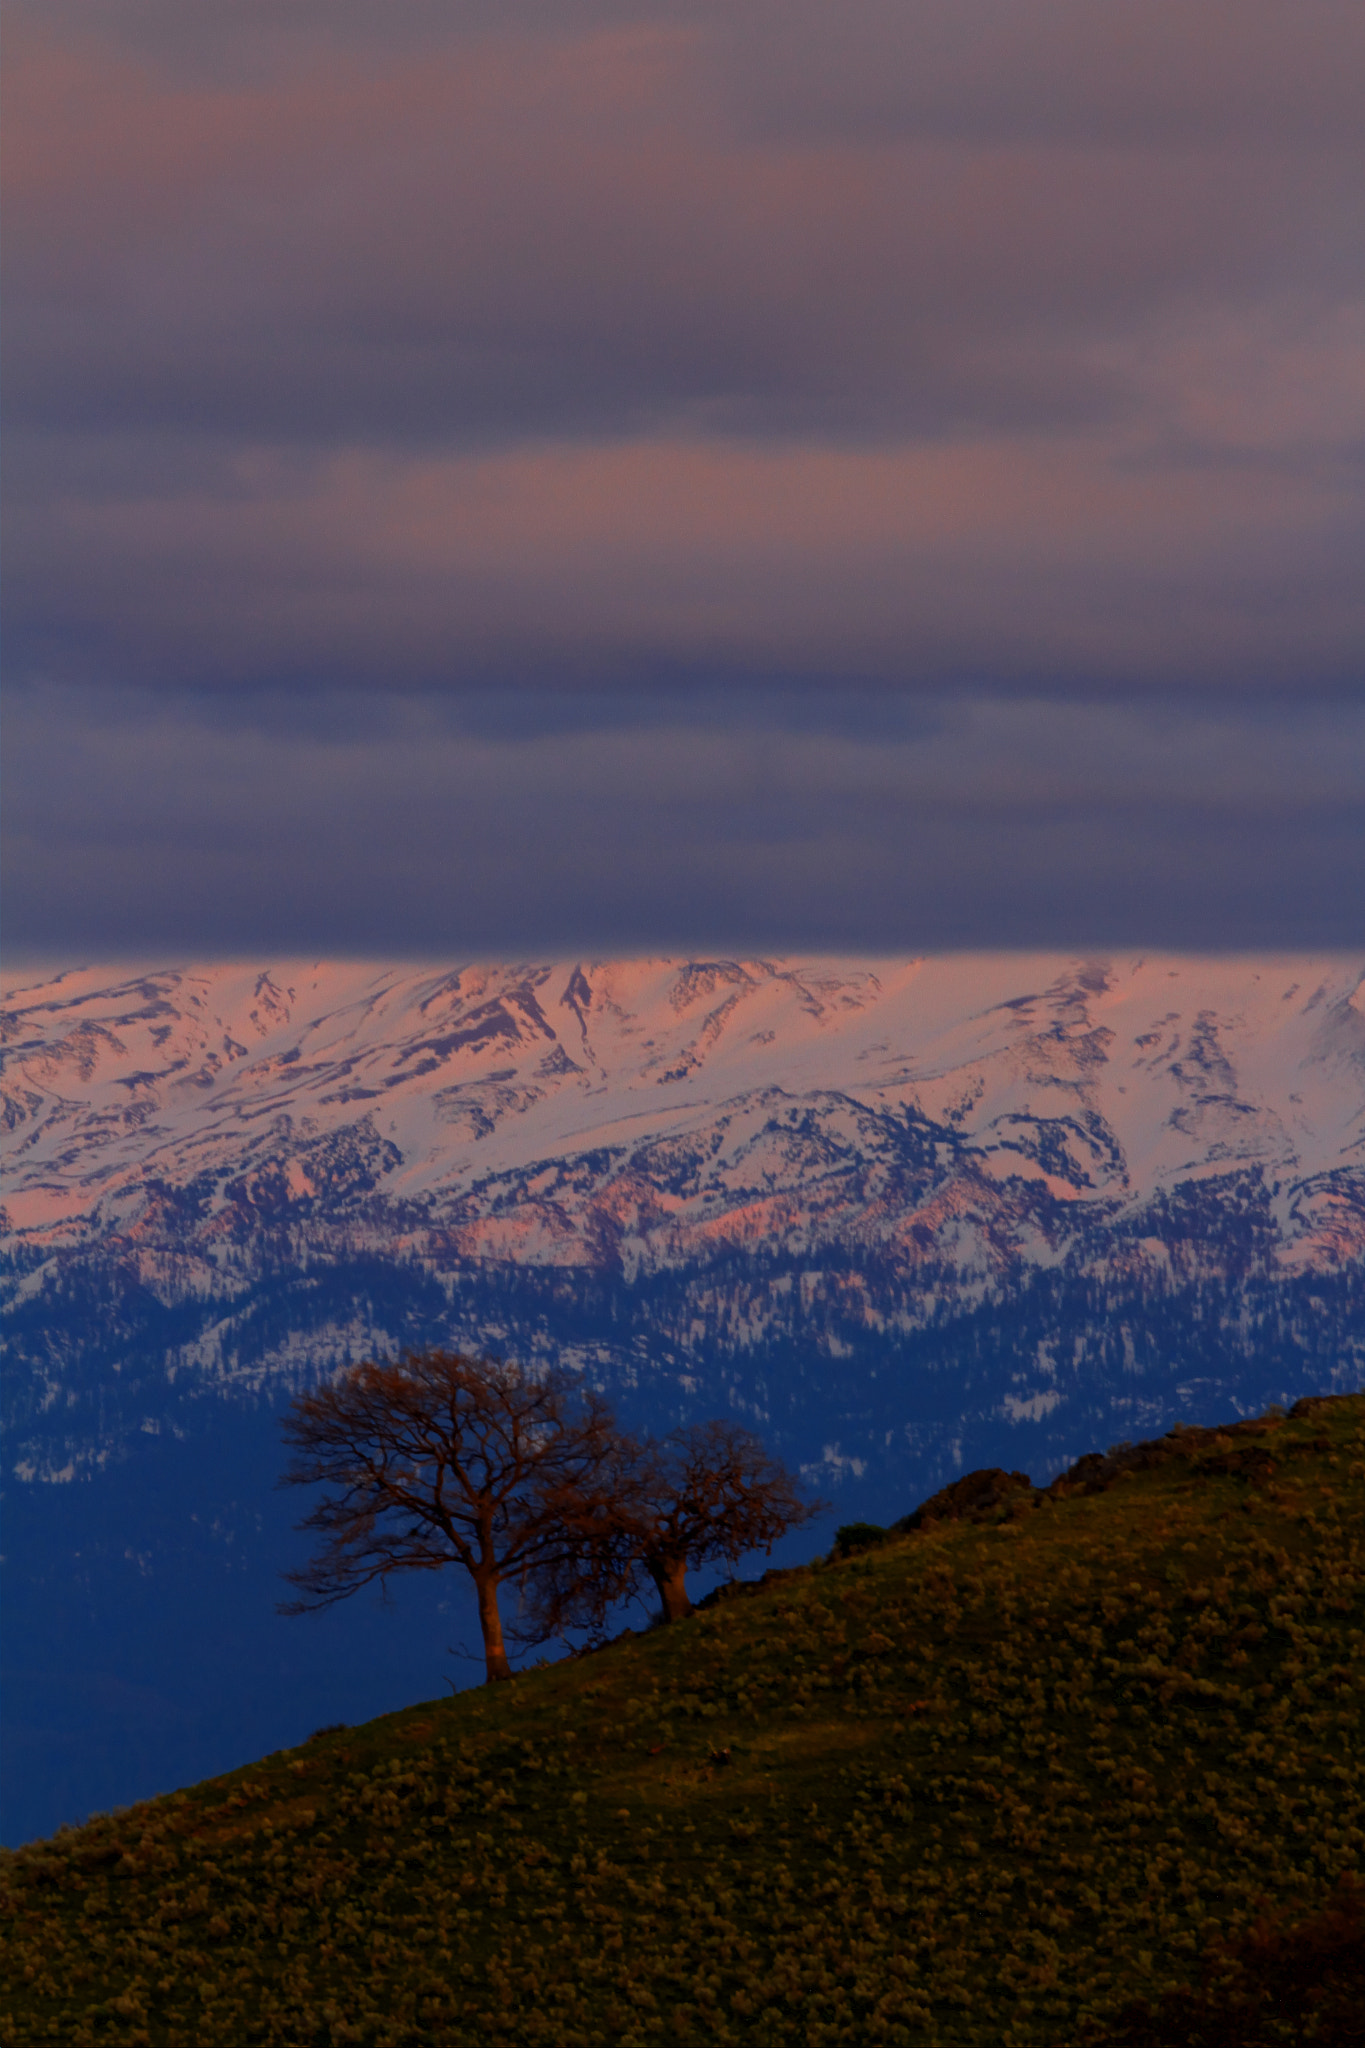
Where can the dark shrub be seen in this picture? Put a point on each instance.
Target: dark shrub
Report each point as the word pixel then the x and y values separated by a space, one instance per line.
pixel 856 1536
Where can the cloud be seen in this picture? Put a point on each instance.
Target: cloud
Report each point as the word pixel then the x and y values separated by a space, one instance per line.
pixel 500 471
pixel 1023 558
pixel 1154 72
pixel 920 342
pixel 644 226
pixel 738 821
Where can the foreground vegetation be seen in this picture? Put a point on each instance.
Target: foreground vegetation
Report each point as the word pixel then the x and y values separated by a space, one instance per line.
pixel 989 1781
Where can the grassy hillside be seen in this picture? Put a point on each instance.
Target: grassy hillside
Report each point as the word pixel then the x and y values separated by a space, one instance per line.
pixel 984 1783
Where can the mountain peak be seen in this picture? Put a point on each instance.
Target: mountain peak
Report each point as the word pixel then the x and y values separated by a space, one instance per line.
pixel 1051 1081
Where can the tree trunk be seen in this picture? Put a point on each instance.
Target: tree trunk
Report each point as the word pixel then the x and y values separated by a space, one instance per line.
pixel 670 1577
pixel 490 1621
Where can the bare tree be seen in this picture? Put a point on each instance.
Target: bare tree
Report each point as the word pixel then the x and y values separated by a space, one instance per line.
pixel 442 1459
pixel 701 1495
pixel 719 1494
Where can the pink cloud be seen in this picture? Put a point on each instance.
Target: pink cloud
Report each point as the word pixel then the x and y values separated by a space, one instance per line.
pixel 908 561
pixel 967 339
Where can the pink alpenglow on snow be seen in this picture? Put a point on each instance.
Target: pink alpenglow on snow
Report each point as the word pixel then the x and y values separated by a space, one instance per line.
pixel 643 1110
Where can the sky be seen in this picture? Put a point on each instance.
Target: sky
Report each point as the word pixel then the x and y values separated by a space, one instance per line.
pixel 862 475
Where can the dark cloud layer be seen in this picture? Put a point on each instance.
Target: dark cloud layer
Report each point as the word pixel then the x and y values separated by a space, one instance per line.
pixel 952 348
pixel 785 823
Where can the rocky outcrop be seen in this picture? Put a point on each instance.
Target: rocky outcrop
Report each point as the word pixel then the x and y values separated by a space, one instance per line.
pixel 1242 1450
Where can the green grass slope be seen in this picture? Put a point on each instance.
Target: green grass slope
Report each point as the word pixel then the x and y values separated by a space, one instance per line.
pixel 986 1783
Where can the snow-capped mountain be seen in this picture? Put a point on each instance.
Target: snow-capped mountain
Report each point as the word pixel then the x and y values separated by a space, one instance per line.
pixel 905 1217
pixel 1038 1190
pixel 636 1113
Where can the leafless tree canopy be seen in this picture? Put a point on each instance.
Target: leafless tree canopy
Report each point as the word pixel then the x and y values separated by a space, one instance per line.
pixel 706 1494
pixel 443 1459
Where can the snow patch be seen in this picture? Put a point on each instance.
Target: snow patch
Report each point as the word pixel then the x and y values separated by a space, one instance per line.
pixel 1032 1407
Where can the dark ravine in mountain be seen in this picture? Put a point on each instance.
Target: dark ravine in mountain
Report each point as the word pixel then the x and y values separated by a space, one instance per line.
pixel 906 1218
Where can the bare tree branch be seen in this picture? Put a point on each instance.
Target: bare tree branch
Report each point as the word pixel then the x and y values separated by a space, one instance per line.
pixel 443 1459
pixel 703 1494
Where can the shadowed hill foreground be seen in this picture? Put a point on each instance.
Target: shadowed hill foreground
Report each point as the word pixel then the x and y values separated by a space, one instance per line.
pixel 997 1779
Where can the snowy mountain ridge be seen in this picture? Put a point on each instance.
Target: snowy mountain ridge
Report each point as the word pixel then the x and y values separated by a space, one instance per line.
pixel 642 1113
pixel 884 1208
pixel 903 1217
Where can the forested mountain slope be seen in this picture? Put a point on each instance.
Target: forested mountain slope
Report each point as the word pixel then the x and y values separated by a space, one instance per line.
pixel 229 1177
